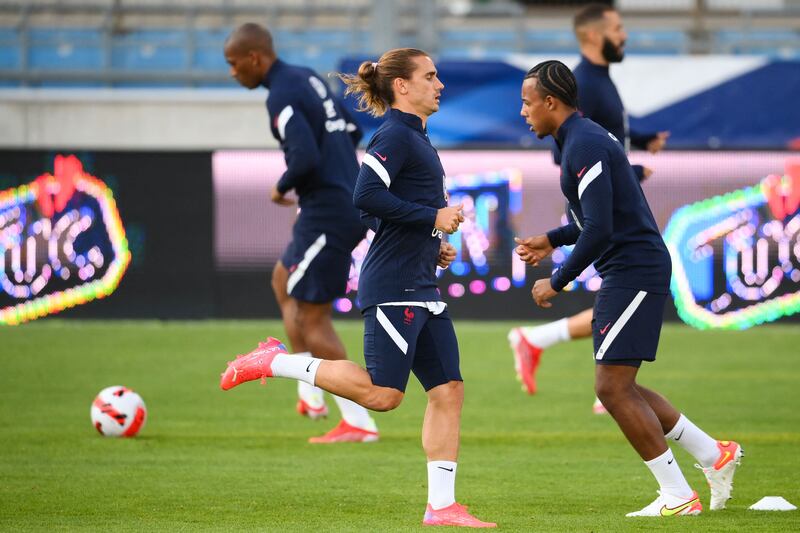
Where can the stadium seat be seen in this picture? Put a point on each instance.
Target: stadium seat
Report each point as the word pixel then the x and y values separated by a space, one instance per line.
pixel 150 50
pixel 65 48
pixel 10 56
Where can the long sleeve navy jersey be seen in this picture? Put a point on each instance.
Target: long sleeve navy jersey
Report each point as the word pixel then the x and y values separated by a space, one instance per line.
pixel 599 100
pixel 402 186
pixel 318 139
pixel 611 223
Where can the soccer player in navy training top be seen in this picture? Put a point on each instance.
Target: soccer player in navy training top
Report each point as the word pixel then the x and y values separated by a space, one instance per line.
pixel 318 139
pixel 401 191
pixel 601 37
pixel 612 226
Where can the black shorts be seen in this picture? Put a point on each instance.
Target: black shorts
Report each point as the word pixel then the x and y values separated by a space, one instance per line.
pixel 399 340
pixel 626 326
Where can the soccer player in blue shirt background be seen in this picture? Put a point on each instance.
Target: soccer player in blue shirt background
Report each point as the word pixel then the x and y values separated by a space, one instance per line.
pixel 612 226
pixel 401 190
pixel 318 139
pixel 601 36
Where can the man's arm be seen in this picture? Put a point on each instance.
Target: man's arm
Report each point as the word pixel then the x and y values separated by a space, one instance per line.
pixel 297 140
pixel 351 126
pixel 381 164
pixel 595 193
pixel 652 142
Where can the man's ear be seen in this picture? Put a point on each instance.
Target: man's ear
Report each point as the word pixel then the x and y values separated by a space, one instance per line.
pixel 400 85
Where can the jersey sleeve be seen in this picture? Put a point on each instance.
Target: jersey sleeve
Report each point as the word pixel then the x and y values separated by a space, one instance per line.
pixel 382 164
pixel 297 140
pixel 351 126
pixel 595 194
pixel 567 234
pixel 639 139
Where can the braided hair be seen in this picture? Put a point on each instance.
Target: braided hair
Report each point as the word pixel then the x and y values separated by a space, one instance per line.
pixel 556 80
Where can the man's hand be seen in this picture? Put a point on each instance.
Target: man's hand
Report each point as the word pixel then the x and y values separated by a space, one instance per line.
pixel 279 198
pixel 448 218
pixel 447 254
pixel 533 249
pixel 658 143
pixel 542 291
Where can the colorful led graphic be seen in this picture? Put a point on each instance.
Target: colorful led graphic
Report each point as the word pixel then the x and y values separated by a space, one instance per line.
pixel 62 243
pixel 736 257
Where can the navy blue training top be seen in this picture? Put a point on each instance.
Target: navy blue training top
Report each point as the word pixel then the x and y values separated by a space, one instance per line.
pixel 611 223
pixel 401 184
pixel 318 139
pixel 599 100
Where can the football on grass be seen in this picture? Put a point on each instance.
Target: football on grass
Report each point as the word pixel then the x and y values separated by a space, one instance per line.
pixel 118 412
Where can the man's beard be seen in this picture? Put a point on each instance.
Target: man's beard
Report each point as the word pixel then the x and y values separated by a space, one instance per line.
pixel 611 52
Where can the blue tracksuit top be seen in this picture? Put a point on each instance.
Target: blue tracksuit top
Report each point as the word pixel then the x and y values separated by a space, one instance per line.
pixel 611 223
pixel 318 139
pixel 401 184
pixel 599 100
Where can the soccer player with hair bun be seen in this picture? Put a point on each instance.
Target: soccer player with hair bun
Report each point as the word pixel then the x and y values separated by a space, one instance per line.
pixel 401 192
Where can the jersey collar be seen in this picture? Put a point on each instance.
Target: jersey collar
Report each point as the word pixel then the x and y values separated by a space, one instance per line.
pixel 273 71
pixel 563 130
pixel 586 64
pixel 406 118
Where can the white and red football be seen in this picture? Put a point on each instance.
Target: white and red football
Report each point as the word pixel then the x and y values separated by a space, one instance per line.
pixel 118 412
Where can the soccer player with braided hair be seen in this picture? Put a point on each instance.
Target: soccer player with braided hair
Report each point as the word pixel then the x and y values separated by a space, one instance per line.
pixel 401 191
pixel 601 36
pixel 612 226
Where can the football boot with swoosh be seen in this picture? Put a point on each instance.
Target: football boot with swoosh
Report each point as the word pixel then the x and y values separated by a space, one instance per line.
pixel 669 505
pixel 254 365
pixel 720 474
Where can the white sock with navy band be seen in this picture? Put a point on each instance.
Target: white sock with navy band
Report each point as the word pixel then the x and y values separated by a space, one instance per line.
pixel 695 441
pixel 441 484
pixel 297 366
pixel 548 334
pixel 669 476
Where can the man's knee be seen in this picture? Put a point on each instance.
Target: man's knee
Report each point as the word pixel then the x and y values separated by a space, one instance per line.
pixel 383 399
pixel 280 276
pixel 448 393
pixel 608 386
pixel 312 315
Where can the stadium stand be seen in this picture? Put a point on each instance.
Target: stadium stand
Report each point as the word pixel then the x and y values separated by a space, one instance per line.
pixel 157 43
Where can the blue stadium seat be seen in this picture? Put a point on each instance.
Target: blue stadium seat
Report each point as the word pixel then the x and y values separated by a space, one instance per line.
pixel 150 50
pixel 777 42
pixel 10 54
pixel 657 42
pixel 65 48
pixel 551 41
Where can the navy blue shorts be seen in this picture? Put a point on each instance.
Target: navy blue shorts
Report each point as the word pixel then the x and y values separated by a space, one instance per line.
pixel 626 326
pixel 399 340
pixel 318 270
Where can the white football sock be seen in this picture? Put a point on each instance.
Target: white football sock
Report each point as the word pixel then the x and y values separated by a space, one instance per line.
pixel 669 476
pixel 296 366
pixel 354 414
pixel 441 484
pixel 313 396
pixel 695 441
pixel 548 334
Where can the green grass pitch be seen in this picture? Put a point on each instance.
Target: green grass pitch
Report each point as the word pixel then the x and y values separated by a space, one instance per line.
pixel 239 461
